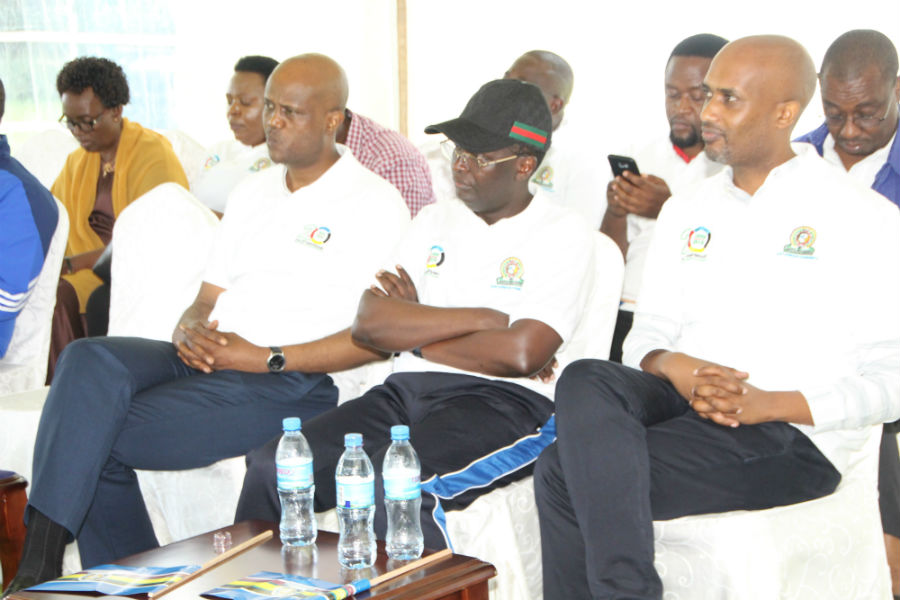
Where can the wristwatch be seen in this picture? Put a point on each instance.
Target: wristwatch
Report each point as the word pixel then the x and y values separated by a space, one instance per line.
pixel 276 361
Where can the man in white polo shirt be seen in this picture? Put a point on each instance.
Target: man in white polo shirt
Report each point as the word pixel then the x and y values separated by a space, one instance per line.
pixel 668 166
pixel 487 289
pixel 758 373
pixel 295 246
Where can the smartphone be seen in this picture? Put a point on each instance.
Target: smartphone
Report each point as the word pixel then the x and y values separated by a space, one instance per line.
pixel 620 164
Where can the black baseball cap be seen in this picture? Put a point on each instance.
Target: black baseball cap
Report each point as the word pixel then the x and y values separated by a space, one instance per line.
pixel 503 112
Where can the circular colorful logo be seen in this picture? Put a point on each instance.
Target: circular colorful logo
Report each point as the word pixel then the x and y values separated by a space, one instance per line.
pixel 211 161
pixel 803 237
pixel 320 235
pixel 435 257
pixel 511 268
pixel 260 164
pixel 698 239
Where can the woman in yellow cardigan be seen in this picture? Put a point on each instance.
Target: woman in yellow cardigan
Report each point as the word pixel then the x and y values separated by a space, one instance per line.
pixel 118 162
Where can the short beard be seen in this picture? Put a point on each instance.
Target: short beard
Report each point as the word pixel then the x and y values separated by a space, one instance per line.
pixel 691 140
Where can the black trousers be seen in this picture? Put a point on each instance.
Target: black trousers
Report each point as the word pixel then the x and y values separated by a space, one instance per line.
pixel 630 450
pixel 471 434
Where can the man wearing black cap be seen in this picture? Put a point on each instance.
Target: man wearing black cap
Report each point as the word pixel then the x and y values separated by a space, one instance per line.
pixel 487 292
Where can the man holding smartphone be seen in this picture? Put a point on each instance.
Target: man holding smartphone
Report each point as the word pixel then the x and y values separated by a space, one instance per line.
pixel 668 165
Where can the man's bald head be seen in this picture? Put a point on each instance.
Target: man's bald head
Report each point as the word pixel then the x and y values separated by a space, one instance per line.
pixel 756 88
pixel 854 52
pixel 551 73
pixel 774 63
pixel 320 73
pixel 304 106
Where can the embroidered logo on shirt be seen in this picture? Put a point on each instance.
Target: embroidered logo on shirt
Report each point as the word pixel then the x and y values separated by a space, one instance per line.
pixel 511 271
pixel 211 161
pixel 260 164
pixel 315 236
pixel 696 242
pixel 544 177
pixel 435 259
pixel 801 243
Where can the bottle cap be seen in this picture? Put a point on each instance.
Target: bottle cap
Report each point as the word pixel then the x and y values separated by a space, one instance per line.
pixel 400 432
pixel 291 424
pixel 352 440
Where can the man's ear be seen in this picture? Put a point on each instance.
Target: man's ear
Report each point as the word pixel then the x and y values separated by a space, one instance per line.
pixel 117 113
pixel 787 113
pixel 333 120
pixel 556 105
pixel 526 166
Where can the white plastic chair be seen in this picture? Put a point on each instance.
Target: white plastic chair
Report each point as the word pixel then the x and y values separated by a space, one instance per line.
pixel 24 367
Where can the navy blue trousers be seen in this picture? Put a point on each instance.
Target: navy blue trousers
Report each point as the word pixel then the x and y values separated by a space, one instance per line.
pixel 630 450
pixel 119 404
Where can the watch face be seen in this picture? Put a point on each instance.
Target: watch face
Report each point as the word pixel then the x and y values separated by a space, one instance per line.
pixel 276 362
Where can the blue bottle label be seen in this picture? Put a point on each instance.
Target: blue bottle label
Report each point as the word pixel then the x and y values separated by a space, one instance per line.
pixel 294 473
pixel 355 492
pixel 402 485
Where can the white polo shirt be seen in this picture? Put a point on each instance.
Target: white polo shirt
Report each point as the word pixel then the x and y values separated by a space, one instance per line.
pixel 294 265
pixel 660 159
pixel 865 170
pixel 538 264
pixel 798 285
pixel 225 166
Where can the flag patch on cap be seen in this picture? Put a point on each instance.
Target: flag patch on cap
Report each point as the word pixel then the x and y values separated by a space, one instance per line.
pixel 528 134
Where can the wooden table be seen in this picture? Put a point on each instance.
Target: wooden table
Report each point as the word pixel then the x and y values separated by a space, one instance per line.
pixel 456 578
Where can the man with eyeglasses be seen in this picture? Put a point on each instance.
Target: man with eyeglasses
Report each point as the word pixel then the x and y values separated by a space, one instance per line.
pixel 860 95
pixel 483 292
pixel 296 244
pixel 667 166
pixel 28 218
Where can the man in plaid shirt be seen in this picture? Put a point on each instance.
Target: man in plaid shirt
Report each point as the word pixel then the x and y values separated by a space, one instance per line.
pixel 389 155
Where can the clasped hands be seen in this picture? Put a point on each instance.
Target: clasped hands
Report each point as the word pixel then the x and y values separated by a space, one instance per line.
pixel 202 346
pixel 716 392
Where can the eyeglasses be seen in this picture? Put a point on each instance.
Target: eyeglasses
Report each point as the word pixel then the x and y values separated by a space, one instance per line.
pixel 86 126
pixel 453 154
pixel 860 120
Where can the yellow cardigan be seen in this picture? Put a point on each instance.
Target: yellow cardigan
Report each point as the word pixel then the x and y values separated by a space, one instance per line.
pixel 144 159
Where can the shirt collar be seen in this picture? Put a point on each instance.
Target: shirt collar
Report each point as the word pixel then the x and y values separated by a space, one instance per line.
pixel 866 169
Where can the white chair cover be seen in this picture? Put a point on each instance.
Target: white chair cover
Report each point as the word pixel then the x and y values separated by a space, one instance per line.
pixel 830 548
pixel 189 152
pixel 44 153
pixel 24 367
pixel 160 246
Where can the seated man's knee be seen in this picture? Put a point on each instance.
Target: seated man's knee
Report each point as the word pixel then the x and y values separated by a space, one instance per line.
pixel 584 381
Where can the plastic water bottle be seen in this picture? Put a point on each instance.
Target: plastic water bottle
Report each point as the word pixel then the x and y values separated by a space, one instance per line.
pixel 294 474
pixel 355 479
pixel 402 497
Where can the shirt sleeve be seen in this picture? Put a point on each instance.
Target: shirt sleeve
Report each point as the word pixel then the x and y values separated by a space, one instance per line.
pixel 21 255
pixel 560 280
pixel 657 320
pixel 872 394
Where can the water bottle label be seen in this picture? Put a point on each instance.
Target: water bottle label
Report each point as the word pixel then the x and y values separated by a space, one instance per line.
pixel 294 473
pixel 355 492
pixel 402 485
